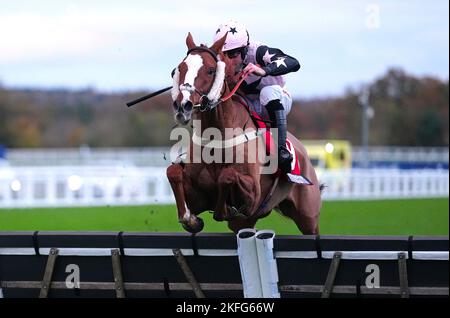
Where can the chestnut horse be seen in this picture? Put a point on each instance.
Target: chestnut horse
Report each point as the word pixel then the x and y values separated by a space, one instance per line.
pixel 236 192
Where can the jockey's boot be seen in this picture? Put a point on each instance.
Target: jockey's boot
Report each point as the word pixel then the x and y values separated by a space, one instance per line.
pixel 278 118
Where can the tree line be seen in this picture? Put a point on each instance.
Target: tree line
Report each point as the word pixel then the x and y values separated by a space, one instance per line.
pixel 408 111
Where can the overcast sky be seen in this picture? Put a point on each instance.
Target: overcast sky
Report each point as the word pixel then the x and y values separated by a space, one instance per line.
pixel 127 45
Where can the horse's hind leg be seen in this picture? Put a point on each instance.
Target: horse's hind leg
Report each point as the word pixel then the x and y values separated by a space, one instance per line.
pixel 303 206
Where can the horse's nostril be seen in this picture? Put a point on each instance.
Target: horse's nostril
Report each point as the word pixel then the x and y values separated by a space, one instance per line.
pixel 188 106
pixel 179 117
pixel 175 105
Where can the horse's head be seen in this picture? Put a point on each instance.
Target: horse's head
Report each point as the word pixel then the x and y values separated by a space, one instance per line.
pixel 199 79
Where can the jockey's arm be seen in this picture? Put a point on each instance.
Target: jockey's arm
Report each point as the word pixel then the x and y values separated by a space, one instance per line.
pixel 274 62
pixel 255 69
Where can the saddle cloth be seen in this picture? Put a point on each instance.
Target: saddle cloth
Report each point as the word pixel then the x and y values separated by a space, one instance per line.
pixel 294 175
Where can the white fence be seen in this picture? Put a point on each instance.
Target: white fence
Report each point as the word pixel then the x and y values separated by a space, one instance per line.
pixel 401 154
pixel 159 156
pixel 57 186
pixel 82 186
pixel 143 156
pixel 372 184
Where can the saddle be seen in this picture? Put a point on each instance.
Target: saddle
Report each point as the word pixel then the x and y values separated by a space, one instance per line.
pixel 295 174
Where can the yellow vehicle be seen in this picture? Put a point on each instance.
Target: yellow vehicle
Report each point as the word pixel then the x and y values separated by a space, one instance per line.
pixel 329 154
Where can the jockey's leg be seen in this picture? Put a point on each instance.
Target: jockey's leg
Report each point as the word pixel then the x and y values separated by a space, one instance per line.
pixel 271 97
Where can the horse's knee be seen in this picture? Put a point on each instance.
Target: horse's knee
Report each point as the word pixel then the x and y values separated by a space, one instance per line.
pixel 174 173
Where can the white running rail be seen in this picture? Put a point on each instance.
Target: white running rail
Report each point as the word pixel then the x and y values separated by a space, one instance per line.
pixel 58 186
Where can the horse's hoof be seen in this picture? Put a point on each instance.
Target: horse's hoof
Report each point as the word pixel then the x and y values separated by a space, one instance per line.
pixel 194 226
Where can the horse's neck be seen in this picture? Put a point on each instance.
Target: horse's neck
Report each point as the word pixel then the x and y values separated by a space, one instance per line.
pixel 228 114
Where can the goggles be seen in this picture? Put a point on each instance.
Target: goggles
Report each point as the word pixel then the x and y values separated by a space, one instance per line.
pixel 235 52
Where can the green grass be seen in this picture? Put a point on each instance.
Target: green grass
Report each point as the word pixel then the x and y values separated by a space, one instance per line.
pixel 391 217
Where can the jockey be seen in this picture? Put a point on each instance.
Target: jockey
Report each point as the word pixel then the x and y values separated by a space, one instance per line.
pixel 265 84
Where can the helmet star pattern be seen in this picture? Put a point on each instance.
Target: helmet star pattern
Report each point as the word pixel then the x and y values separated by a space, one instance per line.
pixel 237 35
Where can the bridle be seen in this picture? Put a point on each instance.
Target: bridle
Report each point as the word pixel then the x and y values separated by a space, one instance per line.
pixel 208 102
pixel 210 99
pixel 204 49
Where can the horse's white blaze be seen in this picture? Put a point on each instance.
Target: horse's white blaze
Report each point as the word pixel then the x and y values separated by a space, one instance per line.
pixel 176 83
pixel 194 62
pixel 186 96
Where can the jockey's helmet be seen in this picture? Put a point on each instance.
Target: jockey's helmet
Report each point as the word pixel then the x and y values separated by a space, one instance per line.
pixel 237 35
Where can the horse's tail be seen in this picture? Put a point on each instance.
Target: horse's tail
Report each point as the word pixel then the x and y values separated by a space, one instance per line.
pixel 322 186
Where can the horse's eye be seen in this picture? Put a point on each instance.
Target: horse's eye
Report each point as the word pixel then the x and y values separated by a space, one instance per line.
pixel 211 71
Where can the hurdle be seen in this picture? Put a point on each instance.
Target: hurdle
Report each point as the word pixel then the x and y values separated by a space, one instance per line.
pixel 179 265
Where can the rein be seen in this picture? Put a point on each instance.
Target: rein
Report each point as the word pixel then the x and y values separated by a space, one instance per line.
pixel 213 105
pixel 205 102
pixel 242 78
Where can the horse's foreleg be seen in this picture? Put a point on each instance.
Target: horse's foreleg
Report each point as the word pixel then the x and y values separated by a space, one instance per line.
pixel 189 221
pixel 237 193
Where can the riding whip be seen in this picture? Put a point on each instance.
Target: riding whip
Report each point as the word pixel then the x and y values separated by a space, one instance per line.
pixel 140 99
pixel 133 102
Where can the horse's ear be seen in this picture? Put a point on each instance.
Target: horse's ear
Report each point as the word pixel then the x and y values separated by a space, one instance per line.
pixel 217 46
pixel 190 41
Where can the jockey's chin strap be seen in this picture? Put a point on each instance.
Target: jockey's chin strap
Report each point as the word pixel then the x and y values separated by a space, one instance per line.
pixel 211 100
